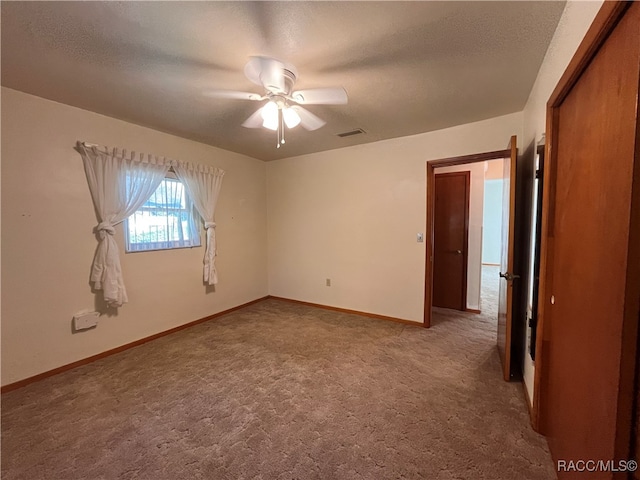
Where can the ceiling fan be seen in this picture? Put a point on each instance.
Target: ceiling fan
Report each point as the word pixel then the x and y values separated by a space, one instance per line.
pixel 283 103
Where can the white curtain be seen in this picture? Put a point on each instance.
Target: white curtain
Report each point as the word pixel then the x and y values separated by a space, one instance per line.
pixel 203 186
pixel 119 185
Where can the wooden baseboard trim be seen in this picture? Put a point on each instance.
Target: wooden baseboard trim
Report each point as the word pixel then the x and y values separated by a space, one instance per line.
pixel 41 376
pixel 346 310
pixel 472 310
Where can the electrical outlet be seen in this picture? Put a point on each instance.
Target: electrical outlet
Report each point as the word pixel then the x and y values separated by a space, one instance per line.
pixel 328 282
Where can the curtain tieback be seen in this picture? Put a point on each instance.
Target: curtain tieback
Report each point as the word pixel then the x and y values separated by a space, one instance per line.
pixel 209 225
pixel 105 227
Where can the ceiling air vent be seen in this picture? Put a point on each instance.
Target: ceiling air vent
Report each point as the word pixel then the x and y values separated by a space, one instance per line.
pixel 357 131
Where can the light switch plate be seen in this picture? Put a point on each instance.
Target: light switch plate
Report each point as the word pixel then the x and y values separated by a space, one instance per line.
pixel 420 237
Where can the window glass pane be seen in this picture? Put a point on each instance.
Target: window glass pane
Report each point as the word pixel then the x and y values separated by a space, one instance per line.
pixel 166 220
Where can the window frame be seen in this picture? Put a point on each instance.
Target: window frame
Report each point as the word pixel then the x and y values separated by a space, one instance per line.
pixel 159 246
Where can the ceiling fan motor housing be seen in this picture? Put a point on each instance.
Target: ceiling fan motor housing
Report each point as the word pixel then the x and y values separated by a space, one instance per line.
pixel 289 81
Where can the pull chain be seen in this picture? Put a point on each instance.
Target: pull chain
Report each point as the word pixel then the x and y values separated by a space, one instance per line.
pixel 280 131
pixel 282 127
pixel 279 126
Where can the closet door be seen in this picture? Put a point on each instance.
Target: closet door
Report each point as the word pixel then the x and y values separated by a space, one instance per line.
pixel 591 252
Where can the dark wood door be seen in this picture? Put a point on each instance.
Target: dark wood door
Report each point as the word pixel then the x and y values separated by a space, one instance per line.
pixel 635 450
pixel 451 233
pixel 591 292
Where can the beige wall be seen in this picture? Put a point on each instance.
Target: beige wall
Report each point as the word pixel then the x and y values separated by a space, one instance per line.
pixel 574 23
pixel 476 202
pixel 495 168
pixel 48 245
pixel 352 215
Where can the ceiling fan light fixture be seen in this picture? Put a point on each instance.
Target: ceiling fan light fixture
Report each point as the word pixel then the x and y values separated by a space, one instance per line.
pixel 270 116
pixel 270 123
pixel 283 108
pixel 291 117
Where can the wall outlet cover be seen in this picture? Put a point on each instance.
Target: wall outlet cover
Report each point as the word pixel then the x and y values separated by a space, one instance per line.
pixel 85 320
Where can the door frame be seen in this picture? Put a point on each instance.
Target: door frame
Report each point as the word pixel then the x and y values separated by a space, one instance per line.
pixel 431 166
pixel 465 251
pixel 604 23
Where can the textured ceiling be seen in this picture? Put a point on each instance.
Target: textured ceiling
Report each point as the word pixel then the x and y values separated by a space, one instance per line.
pixel 408 67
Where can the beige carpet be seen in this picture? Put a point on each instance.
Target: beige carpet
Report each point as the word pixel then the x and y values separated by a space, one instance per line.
pixel 282 391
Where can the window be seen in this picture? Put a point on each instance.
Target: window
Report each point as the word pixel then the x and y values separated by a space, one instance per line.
pixel 165 221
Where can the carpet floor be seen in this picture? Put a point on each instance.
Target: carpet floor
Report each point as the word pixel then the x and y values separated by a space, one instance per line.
pixel 283 391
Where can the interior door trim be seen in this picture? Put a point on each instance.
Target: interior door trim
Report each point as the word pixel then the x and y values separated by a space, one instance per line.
pixel 431 166
pixel 604 23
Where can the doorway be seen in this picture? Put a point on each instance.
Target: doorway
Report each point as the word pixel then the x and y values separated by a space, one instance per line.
pixel 468 237
pixel 492 224
pixel 507 277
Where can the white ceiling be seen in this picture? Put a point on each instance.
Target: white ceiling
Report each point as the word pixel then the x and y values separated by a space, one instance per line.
pixel 408 67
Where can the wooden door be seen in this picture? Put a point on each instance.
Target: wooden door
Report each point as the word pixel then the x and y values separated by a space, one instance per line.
pixel 451 233
pixel 507 275
pixel 635 450
pixel 591 292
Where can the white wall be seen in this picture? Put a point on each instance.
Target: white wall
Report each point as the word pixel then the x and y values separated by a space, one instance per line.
pixel 474 254
pixel 574 23
pixel 352 215
pixel 48 244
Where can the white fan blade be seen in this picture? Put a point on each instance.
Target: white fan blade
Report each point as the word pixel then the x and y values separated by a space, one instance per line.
pixel 321 96
pixel 307 119
pixel 233 94
pixel 255 120
pixel 266 71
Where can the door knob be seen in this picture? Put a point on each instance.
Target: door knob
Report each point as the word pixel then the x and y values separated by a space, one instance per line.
pixel 508 276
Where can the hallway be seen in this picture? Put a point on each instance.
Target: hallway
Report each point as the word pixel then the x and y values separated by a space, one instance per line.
pixel 489 290
pixel 487 319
